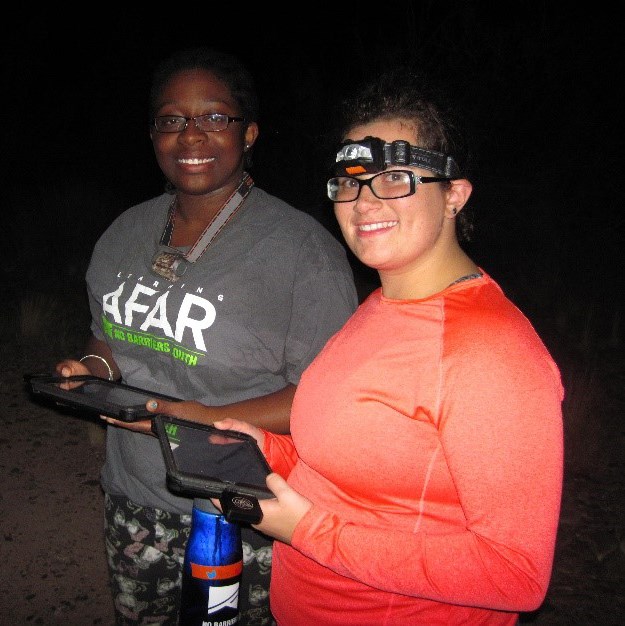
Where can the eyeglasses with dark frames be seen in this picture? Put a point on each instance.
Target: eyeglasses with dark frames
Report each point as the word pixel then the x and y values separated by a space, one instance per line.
pixel 209 123
pixel 387 185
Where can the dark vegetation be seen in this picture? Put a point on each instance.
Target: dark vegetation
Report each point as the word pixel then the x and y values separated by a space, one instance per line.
pixel 536 82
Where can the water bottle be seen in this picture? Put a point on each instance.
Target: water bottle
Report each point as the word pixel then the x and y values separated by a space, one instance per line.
pixel 213 563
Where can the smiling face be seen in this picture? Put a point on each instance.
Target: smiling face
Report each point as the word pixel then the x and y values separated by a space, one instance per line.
pixel 194 161
pixel 402 236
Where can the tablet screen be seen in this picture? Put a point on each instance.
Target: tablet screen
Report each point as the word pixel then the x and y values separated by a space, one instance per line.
pixel 205 452
pixel 113 394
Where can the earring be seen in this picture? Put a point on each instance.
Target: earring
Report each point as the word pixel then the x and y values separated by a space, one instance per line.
pixel 247 147
pixel 454 211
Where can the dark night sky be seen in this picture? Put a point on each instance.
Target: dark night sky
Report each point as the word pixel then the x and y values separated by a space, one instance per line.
pixel 536 81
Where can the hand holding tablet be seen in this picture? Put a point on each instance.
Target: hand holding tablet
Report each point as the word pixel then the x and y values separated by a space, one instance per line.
pixel 96 395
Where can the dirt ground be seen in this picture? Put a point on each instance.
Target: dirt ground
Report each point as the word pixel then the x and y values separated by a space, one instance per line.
pixel 52 563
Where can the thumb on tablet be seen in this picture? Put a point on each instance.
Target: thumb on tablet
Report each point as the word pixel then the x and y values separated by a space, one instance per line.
pixel 189 410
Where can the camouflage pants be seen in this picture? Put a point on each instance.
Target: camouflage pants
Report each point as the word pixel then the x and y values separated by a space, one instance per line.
pixel 145 550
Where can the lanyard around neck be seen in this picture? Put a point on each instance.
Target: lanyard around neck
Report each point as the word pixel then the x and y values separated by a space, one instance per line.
pixel 213 228
pixel 172 264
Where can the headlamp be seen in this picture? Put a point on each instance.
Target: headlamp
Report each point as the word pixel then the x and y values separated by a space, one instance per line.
pixel 372 154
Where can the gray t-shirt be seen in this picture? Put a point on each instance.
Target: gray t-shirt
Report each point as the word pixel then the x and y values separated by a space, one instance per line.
pixel 243 321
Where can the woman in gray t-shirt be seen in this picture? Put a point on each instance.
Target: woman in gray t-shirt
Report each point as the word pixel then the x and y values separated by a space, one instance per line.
pixel 215 292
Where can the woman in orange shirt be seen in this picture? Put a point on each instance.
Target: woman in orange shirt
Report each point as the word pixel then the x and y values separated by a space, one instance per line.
pixel 424 466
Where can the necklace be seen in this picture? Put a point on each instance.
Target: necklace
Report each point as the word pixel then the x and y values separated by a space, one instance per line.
pixel 465 277
pixel 172 264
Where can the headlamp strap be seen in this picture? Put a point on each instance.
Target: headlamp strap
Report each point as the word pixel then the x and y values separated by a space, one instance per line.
pixel 402 153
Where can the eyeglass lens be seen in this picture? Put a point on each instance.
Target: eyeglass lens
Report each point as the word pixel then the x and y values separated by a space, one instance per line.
pixel 385 185
pixel 212 122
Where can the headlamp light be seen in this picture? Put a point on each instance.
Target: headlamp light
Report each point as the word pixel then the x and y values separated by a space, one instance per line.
pixel 361 157
pixel 372 155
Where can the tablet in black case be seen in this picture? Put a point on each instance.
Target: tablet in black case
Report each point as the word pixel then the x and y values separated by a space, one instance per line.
pixel 203 461
pixel 97 395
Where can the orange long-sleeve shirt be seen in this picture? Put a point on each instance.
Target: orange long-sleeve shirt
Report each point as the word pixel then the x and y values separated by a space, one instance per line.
pixel 429 439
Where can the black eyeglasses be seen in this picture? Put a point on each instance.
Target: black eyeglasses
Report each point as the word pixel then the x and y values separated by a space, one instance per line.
pixel 209 123
pixel 387 185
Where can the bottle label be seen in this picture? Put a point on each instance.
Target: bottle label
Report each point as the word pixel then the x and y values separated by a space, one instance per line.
pixel 221 599
pixel 225 622
pixel 216 572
